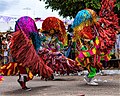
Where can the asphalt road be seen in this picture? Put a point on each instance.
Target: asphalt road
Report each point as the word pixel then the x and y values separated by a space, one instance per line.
pixel 62 86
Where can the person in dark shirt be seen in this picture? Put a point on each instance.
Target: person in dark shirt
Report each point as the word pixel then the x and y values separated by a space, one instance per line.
pixel 70 50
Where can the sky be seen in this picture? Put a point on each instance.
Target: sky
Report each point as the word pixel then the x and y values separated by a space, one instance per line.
pixel 19 8
pixel 33 8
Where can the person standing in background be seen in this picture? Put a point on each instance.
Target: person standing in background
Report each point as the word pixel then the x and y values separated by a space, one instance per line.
pixel 117 48
pixel 8 37
pixel 4 50
pixel 1 50
pixel 70 53
pixel 118 45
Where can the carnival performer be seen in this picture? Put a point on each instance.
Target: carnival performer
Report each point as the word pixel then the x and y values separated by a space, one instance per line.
pixel 54 30
pixel 24 50
pixel 95 37
pixel 70 50
pixel 56 39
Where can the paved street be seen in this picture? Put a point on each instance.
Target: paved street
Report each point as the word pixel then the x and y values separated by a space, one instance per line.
pixel 62 86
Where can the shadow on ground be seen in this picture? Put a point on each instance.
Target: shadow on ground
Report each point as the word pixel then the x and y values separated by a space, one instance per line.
pixel 61 79
pixel 56 79
pixel 22 92
pixel 101 85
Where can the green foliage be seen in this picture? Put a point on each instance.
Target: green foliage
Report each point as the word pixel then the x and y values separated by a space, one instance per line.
pixel 69 8
pixel 117 8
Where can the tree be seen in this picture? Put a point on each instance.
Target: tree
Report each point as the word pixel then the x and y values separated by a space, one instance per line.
pixel 69 8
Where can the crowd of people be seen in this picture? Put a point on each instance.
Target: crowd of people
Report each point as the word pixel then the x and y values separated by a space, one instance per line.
pixel 5 48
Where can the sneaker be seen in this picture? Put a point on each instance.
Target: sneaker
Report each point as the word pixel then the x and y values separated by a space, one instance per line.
pixel 20 82
pixel 92 83
pixel 87 79
pixel 26 89
pixel 52 77
pixel 95 80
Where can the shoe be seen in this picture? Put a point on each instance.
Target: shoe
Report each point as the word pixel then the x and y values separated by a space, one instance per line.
pixel 20 82
pixel 26 89
pixel 52 77
pixel 95 80
pixel 92 83
pixel 87 79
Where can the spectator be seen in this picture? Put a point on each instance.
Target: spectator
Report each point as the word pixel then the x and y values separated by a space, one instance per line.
pixel 4 50
pixel 8 37
pixel 70 53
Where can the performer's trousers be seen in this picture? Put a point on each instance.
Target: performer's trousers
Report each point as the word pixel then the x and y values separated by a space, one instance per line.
pixel 23 76
pixel 92 72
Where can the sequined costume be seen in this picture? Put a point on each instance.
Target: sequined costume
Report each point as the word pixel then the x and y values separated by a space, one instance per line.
pixel 95 36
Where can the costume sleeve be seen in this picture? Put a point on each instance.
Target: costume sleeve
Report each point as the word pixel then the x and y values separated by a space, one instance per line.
pixel 22 50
